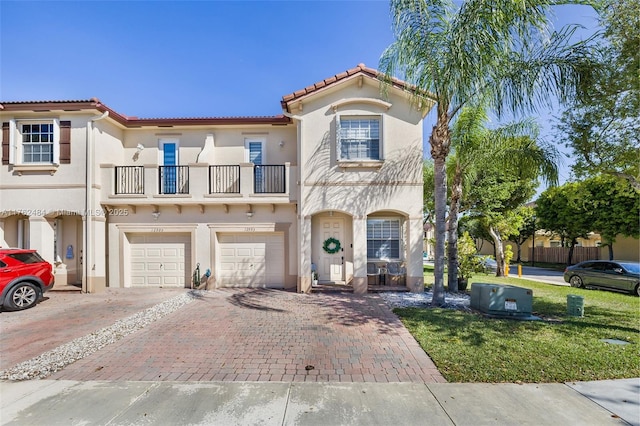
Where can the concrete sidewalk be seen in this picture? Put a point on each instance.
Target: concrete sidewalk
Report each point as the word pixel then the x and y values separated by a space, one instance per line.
pixel 62 402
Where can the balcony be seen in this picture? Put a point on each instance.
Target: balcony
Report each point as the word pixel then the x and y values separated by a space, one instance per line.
pixel 173 180
pixel 199 183
pixel 129 180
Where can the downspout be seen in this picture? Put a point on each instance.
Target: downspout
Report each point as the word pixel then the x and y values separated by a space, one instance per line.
pixel 88 205
pixel 302 270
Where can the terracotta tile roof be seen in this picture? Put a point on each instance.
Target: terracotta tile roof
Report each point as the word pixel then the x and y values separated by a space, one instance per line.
pixel 360 68
pixel 131 121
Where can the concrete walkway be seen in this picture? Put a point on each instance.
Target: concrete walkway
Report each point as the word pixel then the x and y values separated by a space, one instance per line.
pixel 63 402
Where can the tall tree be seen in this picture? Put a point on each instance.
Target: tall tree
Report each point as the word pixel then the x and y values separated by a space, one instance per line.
pixel 565 211
pixel 602 125
pixel 500 52
pixel 497 193
pixel 527 213
pixel 614 207
pixel 516 146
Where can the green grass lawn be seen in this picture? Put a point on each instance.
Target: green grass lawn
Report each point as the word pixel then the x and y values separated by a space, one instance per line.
pixel 467 347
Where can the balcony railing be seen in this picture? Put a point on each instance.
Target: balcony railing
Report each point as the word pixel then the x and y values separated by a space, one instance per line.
pixel 224 179
pixel 173 179
pixel 129 180
pixel 269 179
pixel 201 182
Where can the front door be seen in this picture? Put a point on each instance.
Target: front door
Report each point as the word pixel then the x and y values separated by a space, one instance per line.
pixel 331 266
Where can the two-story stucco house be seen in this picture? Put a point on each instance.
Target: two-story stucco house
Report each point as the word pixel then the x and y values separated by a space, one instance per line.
pixel 330 185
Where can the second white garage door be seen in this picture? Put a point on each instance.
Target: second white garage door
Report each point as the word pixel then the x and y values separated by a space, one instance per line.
pixel 159 260
pixel 251 260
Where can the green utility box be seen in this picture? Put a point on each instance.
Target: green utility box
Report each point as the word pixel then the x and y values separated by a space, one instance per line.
pixel 502 300
pixel 575 305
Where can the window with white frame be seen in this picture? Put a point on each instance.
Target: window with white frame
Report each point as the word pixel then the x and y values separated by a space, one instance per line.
pixel 384 238
pixel 358 138
pixel 37 142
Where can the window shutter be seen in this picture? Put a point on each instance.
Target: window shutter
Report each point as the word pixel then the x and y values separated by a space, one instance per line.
pixel 65 142
pixel 5 143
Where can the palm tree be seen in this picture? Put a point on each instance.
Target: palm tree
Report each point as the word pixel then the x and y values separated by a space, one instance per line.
pixel 499 52
pixel 515 145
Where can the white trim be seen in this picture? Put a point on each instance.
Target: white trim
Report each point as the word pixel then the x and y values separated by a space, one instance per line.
pixel 15 142
pixel 370 101
pixel 381 138
pixel 401 236
pixel 262 141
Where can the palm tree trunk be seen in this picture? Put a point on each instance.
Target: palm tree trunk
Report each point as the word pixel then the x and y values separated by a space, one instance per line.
pixel 497 242
pixel 452 249
pixel 440 143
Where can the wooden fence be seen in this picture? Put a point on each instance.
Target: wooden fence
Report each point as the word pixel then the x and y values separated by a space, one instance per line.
pixel 561 254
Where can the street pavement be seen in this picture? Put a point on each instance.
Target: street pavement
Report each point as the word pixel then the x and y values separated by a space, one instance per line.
pixel 268 357
pixel 543 275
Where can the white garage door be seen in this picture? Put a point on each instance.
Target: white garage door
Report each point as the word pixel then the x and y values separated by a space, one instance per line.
pixel 251 260
pixel 159 260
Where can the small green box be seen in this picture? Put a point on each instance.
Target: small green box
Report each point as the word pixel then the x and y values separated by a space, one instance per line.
pixel 575 305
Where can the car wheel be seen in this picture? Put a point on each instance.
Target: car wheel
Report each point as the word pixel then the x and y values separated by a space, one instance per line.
pixel 576 281
pixel 22 296
pixel 637 290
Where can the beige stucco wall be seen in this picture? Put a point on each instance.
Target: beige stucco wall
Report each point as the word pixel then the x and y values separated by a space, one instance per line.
pixel 60 190
pixel 625 248
pixel 201 227
pixel 228 147
pixel 394 185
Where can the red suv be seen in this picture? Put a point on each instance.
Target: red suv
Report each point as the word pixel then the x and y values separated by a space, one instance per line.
pixel 24 277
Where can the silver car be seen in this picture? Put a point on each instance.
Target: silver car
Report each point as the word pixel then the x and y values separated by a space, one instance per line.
pixel 610 274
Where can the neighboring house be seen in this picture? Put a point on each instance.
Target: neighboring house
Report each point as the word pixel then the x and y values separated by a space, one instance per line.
pixel 625 248
pixel 428 240
pixel 117 201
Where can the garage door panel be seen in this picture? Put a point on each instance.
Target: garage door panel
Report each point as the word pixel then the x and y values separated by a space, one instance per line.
pixel 227 252
pixel 244 252
pixel 251 260
pixel 137 252
pixel 153 252
pixel 137 266
pixel 159 260
pixel 137 281
pixel 227 266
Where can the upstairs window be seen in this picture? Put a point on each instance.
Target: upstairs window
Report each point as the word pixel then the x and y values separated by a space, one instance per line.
pixel 33 142
pixel 359 138
pixel 37 143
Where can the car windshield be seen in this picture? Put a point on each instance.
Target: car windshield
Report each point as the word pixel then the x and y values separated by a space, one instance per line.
pixel 632 267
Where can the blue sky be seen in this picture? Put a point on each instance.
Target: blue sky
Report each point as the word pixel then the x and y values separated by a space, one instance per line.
pixel 193 59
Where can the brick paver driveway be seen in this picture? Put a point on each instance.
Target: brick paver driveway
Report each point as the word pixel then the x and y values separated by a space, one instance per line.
pixel 266 335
